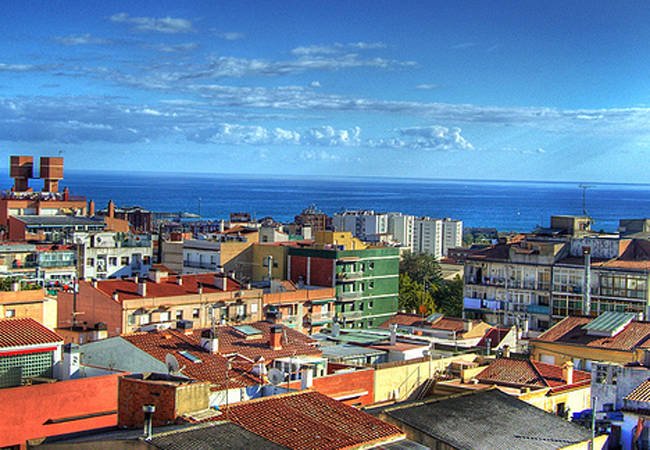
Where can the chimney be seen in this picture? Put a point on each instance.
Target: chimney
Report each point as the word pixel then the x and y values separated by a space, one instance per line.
pixel 307 377
pixel 91 207
pixel 95 283
pixel 22 169
pixel 66 197
pixel 221 281
pixel 111 209
pixel 567 372
pixel 646 357
pixel 135 279
pixel 467 325
pixel 15 286
pixel 148 411
pixel 276 337
pixel 142 288
pixel 116 296
pixel 209 341
pixel 185 326
pixel 393 334
pixel 179 280
pixel 200 288
pixel 70 361
pixel 506 351
pixel 51 172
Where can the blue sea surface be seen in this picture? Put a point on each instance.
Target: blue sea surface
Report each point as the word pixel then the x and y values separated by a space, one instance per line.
pixel 519 206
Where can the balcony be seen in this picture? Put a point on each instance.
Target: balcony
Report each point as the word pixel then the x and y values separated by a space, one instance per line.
pixel 348 277
pixel 349 295
pixel 200 265
pixel 320 319
pixel 351 315
pixel 484 304
pixel 538 309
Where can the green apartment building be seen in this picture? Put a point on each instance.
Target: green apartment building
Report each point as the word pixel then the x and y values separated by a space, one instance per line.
pixel 366 281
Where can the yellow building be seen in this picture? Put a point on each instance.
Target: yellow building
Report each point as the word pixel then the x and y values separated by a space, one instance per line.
pixel 338 239
pixel 33 304
pixel 612 336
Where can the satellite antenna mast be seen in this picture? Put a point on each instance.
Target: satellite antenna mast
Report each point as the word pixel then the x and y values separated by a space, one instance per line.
pixel 172 364
pixel 584 188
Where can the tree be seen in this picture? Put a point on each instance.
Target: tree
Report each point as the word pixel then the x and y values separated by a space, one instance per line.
pixel 449 297
pixel 413 295
pixel 422 268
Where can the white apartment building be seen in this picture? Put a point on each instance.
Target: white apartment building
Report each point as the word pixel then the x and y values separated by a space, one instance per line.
pixel 401 227
pixel 452 234
pixel 364 224
pixel 109 254
pixel 427 236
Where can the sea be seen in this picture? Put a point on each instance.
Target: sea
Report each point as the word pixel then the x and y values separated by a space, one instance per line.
pixel 504 205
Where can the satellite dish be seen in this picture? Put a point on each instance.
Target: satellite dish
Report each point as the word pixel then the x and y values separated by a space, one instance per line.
pixel 172 363
pixel 276 376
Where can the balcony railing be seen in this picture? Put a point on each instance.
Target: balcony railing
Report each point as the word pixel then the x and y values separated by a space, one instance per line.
pixel 351 294
pixel 352 314
pixel 319 319
pixel 200 265
pixel 478 303
pixel 539 309
pixel 348 276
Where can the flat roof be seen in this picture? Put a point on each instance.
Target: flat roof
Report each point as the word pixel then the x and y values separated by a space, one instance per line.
pixel 59 220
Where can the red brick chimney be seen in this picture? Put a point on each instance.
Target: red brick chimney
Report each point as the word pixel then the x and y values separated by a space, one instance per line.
pixel 276 337
pixel 111 209
pixel 91 207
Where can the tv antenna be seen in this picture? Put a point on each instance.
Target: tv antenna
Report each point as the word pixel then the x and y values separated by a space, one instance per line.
pixel 276 376
pixel 584 188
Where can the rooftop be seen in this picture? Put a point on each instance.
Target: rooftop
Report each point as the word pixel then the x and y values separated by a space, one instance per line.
pixel 232 340
pixel 641 393
pixel 212 367
pixel 127 289
pixel 495 335
pixel 310 420
pixel 25 332
pixel 571 330
pixel 528 373
pixel 209 436
pixel 53 221
pixel 487 419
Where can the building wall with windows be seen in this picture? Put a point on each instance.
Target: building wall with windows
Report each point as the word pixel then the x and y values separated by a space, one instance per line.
pixel 428 236
pixel 366 281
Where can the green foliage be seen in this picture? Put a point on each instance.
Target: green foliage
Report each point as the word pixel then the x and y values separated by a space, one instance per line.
pixel 421 283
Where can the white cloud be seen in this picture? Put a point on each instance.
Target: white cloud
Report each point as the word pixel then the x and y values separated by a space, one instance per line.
pixel 337 48
pixel 174 48
pixel 81 39
pixel 330 136
pixel 426 86
pixel 315 84
pixel 168 25
pixel 433 137
pixel 21 67
pixel 230 35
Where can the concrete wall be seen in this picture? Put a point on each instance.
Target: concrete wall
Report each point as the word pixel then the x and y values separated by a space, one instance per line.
pixel 94 306
pixel 38 411
pixel 396 381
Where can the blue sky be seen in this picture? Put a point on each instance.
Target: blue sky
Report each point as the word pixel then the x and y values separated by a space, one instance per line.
pixel 516 90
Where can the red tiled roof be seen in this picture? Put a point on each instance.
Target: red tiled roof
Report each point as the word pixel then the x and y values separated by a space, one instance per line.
pixel 641 393
pixel 232 341
pixel 212 367
pixel 520 373
pixel 495 335
pixel 311 421
pixel 168 287
pixel 415 320
pixel 569 331
pixel 25 332
pixel 495 252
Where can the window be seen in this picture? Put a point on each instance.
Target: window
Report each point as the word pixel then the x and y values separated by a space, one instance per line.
pixel 253 308
pixel 10 313
pixel 601 374
pixel 112 261
pixel 124 260
pixel 146 260
pixel 371 304
pixel 90 262
pixel 195 313
pixel 131 319
pixel 179 314
pixel 560 409
pixel 371 265
pixel 145 319
pixel 165 316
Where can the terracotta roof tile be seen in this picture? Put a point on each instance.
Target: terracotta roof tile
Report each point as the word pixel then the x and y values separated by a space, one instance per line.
pixel 25 332
pixel 293 342
pixel 525 372
pixel 495 335
pixel 415 320
pixel 311 421
pixel 168 287
pixel 641 393
pixel 569 331
pixel 212 367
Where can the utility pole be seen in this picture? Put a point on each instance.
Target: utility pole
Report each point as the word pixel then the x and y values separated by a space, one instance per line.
pixel 593 423
pixel 584 188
